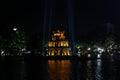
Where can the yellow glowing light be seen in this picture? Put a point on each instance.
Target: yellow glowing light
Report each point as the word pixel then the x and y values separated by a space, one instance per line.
pixel 50 44
pixel 65 54
pixel 52 54
pixel 60 46
pixel 53 38
pixel 62 43
pixel 68 53
pixel 53 44
pixel 56 34
pixel 49 54
pixel 67 44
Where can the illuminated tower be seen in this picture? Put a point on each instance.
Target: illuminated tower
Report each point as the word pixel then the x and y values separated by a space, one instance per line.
pixel 58 45
pixel 48 25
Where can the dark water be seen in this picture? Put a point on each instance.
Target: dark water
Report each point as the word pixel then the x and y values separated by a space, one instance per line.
pixel 37 69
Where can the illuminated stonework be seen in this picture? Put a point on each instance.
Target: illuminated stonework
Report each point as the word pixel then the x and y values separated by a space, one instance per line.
pixel 58 46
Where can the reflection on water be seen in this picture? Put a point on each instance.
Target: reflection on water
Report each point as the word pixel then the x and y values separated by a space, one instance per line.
pixel 98 73
pixel 58 69
pixel 75 70
pixel 89 70
pixel 30 69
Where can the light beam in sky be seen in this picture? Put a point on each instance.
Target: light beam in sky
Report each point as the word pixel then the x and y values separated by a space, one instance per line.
pixel 71 24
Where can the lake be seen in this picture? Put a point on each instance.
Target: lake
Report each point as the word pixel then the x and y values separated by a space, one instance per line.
pixel 33 68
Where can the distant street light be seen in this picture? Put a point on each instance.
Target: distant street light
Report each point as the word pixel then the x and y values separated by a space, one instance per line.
pixel 14 29
pixel 89 49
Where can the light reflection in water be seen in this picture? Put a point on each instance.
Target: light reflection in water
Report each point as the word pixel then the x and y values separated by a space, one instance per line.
pixel 89 70
pixel 58 69
pixel 98 74
pixel 22 69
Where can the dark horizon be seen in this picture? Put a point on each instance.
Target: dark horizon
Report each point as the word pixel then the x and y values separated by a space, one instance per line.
pixel 90 17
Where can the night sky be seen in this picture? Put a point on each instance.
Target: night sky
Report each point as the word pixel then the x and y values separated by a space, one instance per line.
pixel 90 16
